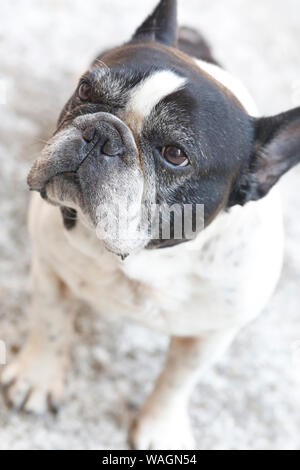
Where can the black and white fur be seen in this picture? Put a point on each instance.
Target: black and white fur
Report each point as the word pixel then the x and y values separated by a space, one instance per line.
pixel 157 90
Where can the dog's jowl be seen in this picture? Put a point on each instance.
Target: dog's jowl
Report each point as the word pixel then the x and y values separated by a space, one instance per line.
pixel 155 130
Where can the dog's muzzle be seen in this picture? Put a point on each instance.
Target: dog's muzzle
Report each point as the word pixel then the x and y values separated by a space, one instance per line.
pixel 100 136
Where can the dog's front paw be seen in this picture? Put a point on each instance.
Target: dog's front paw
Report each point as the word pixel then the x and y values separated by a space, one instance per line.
pixel 163 432
pixel 34 381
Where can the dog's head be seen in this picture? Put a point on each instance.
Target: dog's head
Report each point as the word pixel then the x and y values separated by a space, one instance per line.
pixel 147 127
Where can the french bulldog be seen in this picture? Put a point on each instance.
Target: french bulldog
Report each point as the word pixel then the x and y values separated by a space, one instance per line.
pixel 154 122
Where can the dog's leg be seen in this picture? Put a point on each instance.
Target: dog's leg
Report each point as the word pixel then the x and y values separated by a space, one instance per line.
pixel 35 379
pixel 163 423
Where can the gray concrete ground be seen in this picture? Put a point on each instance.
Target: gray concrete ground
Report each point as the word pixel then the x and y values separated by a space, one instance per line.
pixel 251 400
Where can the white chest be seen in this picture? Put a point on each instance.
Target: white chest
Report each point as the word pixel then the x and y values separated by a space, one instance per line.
pixel 223 278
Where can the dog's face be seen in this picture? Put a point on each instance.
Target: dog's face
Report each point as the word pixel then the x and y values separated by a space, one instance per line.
pixel 147 127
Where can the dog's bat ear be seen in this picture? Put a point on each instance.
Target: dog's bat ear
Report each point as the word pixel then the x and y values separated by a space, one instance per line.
pixel 161 25
pixel 276 150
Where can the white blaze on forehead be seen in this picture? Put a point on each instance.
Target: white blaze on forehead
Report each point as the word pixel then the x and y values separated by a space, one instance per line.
pixel 148 93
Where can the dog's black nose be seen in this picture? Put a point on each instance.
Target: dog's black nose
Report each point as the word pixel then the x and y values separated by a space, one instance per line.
pixel 106 139
pixel 89 133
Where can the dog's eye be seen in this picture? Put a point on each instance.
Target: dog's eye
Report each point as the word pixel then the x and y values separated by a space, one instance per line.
pixel 84 91
pixel 175 156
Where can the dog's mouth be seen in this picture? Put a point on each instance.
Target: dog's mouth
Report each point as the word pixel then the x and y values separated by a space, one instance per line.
pixel 69 177
pixel 63 190
pixel 92 166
